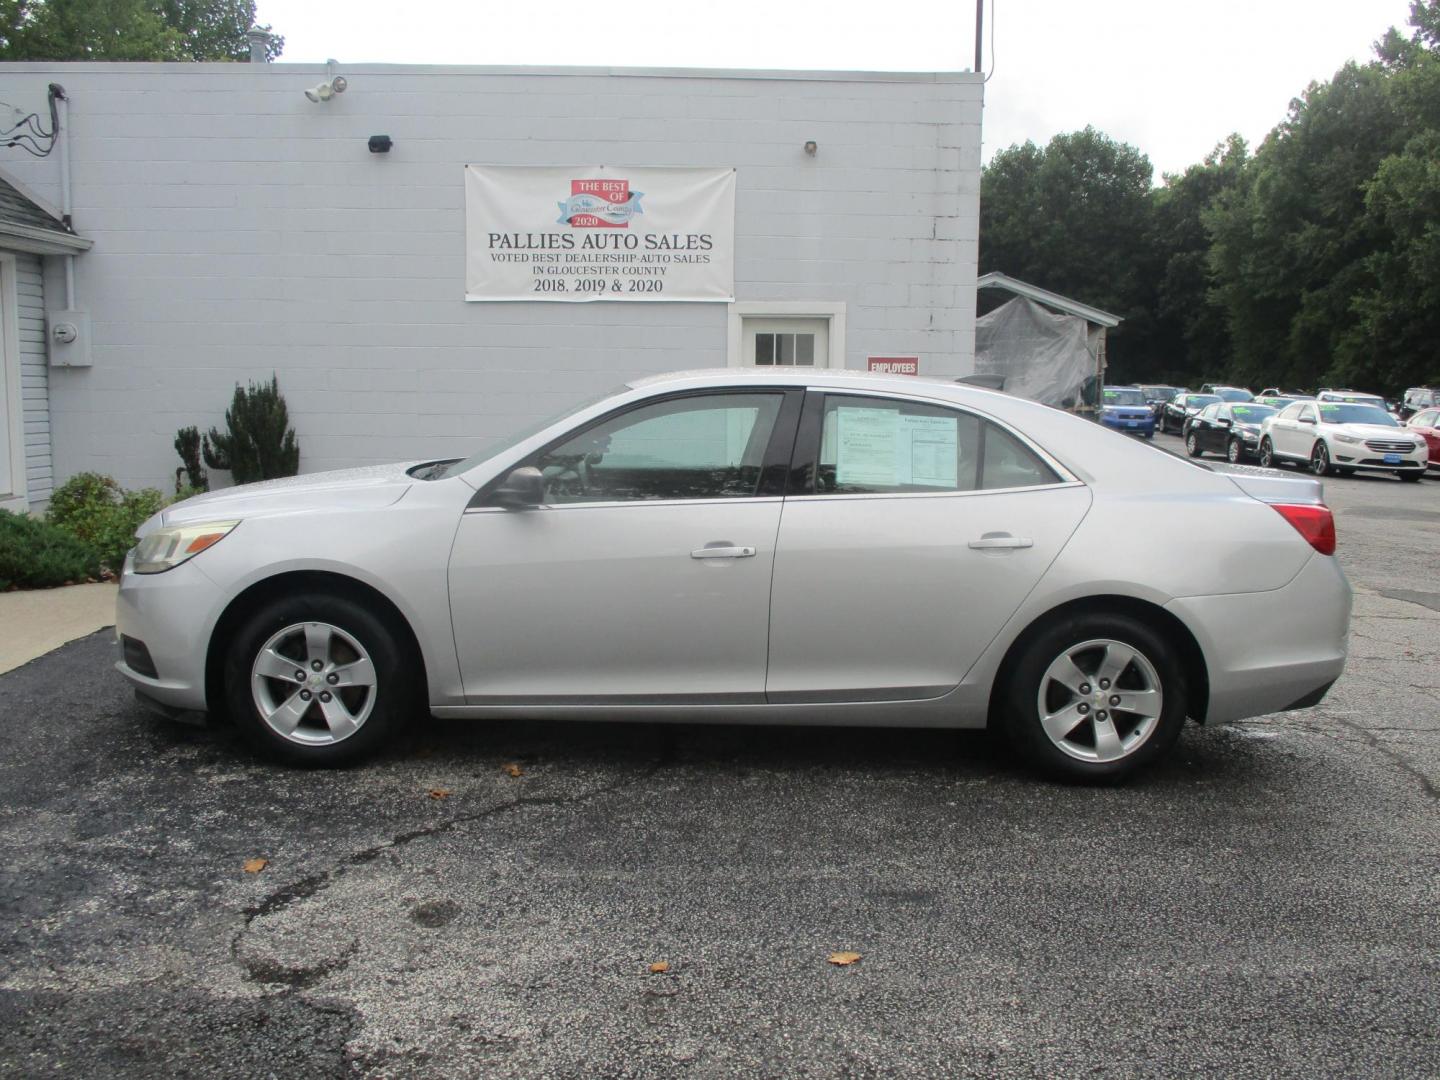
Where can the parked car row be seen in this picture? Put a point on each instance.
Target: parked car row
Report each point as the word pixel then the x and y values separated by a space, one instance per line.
pixel 1329 437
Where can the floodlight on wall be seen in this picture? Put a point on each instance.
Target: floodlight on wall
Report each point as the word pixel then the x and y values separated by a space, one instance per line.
pixel 380 144
pixel 811 146
pixel 326 90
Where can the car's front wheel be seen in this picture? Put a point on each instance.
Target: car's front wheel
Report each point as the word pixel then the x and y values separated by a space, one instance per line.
pixel 1234 453
pixel 1192 445
pixel 1267 454
pixel 318 680
pixel 1095 697
pixel 1411 477
pixel 1320 459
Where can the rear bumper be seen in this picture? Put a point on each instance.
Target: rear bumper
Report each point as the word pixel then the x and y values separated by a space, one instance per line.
pixel 1271 651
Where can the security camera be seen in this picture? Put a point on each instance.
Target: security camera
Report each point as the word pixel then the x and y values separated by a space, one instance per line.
pixel 326 90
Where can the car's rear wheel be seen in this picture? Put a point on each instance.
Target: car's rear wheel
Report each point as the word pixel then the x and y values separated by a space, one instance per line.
pixel 1320 460
pixel 1192 445
pixel 1234 453
pixel 1095 697
pixel 318 680
pixel 1267 454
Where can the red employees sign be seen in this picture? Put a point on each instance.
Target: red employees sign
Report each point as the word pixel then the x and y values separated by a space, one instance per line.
pixel 895 365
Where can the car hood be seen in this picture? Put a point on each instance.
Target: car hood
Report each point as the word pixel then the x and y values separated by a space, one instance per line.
pixel 1370 431
pixel 368 487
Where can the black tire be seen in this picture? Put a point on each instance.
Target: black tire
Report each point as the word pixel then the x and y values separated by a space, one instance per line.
pixel 1268 460
pixel 395 689
pixel 1021 703
pixel 1320 459
pixel 1235 452
pixel 1411 477
pixel 1150 434
pixel 1192 446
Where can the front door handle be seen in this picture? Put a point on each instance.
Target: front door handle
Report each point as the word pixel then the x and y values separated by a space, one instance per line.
pixel 998 540
pixel 722 550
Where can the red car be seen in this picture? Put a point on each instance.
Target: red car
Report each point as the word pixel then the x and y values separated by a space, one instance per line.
pixel 1426 422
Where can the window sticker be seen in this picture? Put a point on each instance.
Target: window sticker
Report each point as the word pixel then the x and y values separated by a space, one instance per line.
pixel 865 447
pixel 884 448
pixel 933 445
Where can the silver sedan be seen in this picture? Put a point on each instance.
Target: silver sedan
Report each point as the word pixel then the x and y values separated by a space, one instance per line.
pixel 784 546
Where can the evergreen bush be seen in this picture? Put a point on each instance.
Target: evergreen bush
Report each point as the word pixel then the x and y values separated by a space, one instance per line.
pixel 187 445
pixel 36 554
pixel 260 443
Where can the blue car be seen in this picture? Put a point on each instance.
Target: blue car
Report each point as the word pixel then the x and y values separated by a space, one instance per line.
pixel 1124 408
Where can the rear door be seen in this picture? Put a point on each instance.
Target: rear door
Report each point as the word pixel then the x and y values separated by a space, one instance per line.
pixel 911 532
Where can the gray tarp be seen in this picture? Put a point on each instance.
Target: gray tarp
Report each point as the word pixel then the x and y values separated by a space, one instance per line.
pixel 1042 355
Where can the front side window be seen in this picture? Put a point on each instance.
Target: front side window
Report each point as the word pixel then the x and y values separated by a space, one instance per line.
pixel 710 446
pixel 874 446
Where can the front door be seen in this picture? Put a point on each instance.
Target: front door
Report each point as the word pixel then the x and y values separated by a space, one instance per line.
pixel 646 574
pixel 918 532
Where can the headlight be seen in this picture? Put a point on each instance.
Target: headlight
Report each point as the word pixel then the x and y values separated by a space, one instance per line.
pixel 166 548
pixel 1250 434
pixel 1353 440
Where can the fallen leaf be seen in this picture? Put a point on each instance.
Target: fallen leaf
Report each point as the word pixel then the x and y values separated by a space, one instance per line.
pixel 844 959
pixel 254 866
pixel 439 793
pixel 659 967
pixel 514 770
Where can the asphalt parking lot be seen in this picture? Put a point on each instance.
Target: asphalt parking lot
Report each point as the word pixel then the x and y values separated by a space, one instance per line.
pixel 1266 903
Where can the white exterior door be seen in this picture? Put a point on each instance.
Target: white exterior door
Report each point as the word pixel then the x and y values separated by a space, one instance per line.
pixel 785 342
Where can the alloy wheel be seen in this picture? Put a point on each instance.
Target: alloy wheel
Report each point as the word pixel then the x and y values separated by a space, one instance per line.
pixel 1100 700
pixel 1320 460
pixel 1232 453
pixel 313 683
pixel 1267 454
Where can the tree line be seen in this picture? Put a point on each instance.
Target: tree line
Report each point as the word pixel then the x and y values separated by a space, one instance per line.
pixel 128 30
pixel 1313 260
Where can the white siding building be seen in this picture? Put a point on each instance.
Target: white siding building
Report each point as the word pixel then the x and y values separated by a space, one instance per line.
pixel 240 228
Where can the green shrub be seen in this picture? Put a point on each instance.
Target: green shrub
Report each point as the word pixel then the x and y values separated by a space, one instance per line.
pixel 260 443
pixel 98 512
pixel 36 554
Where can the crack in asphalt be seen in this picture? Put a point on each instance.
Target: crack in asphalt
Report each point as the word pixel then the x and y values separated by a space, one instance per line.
pixel 299 978
pixel 1400 758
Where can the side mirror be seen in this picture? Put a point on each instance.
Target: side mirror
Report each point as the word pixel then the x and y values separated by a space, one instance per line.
pixel 521 490
pixel 1223 422
pixel 1307 420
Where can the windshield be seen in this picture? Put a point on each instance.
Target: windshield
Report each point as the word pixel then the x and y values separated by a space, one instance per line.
pixel 1124 397
pixel 499 446
pixel 1335 413
pixel 1199 401
pixel 1251 414
pixel 1231 393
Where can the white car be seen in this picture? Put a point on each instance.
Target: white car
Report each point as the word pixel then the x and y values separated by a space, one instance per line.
pixel 1341 437
pixel 772 546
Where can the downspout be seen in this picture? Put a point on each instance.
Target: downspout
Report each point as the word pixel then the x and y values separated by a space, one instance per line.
pixel 62 124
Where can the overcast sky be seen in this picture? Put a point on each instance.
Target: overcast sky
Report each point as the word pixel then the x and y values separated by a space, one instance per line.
pixel 1171 77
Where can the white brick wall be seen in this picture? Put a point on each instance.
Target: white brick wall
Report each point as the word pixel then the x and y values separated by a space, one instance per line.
pixel 240 229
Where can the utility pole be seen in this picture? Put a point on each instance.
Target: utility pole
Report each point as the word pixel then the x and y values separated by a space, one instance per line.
pixel 979 34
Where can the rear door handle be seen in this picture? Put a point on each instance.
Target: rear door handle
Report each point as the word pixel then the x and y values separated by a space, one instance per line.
pixel 996 541
pixel 722 550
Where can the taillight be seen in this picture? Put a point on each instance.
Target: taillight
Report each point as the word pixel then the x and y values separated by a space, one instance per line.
pixel 1314 522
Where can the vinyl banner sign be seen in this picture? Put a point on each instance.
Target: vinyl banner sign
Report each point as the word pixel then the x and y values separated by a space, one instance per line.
pixel 599 232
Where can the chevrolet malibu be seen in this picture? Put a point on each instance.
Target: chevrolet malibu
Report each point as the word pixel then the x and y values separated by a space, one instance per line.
pixel 782 546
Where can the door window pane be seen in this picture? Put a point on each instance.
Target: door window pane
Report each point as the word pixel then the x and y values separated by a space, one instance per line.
pixel 875 446
pixel 788 350
pixel 708 446
pixel 765 349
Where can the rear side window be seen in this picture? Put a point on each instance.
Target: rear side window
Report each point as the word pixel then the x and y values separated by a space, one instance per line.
pixel 872 446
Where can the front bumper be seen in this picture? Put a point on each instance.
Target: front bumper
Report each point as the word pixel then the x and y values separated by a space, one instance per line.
pixel 171 615
pixel 1135 425
pixel 1271 651
pixel 1360 456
